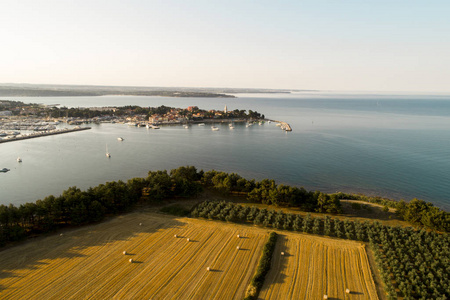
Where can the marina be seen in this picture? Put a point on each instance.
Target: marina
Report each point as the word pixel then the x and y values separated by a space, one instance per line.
pixel 19 137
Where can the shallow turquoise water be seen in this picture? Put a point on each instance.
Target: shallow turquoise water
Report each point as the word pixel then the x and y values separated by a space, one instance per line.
pixel 393 146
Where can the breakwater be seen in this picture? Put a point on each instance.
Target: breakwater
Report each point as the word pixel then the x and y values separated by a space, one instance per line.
pixel 283 125
pixel 41 134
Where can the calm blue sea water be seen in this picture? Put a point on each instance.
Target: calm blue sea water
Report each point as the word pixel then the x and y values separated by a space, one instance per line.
pixel 394 146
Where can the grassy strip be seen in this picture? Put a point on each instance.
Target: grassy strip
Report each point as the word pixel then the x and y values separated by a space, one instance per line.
pixel 263 268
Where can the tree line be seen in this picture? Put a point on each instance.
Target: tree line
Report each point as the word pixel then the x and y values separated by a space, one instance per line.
pixel 267 191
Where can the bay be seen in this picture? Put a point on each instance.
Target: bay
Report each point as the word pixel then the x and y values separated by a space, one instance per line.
pixel 395 146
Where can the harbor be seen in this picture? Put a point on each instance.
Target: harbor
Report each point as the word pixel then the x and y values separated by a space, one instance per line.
pixel 19 137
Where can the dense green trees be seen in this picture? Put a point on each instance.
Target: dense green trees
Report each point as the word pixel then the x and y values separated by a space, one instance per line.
pixel 267 191
pixel 423 213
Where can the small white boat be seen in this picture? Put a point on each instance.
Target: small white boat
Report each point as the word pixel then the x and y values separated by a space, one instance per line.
pixel 107 153
pixel 231 126
pixel 151 126
pixel 214 128
pixel 186 126
pixel 19 159
pixel 201 124
pixel 4 170
pixel 120 138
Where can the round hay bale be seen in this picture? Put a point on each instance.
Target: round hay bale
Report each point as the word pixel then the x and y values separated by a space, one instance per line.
pixel 238 236
pixel 61 234
pixel 325 297
pixel 282 253
pixel 188 239
pixel 208 268
pixel 237 247
pixel 124 252
pixel 347 291
pixel 130 260
pixel 140 224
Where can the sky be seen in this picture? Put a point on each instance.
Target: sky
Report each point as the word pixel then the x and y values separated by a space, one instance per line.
pixel 343 45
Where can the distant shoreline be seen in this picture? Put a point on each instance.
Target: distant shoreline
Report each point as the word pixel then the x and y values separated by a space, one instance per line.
pixel 48 90
pixel 12 92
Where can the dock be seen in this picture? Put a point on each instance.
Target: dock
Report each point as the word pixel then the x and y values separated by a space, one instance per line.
pixel 43 133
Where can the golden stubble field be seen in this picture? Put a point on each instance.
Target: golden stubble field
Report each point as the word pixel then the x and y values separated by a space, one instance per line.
pixel 89 263
pixel 312 267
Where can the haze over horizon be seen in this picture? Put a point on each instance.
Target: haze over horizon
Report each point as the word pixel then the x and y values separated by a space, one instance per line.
pixel 308 45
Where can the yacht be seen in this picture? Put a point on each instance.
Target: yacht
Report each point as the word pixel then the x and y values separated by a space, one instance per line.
pixel 120 138
pixel 4 170
pixel 214 128
pixel 201 124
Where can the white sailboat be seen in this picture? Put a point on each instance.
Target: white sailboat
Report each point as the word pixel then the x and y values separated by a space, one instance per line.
pixel 107 153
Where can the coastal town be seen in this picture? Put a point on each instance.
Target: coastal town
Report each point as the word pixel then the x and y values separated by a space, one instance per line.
pixel 20 121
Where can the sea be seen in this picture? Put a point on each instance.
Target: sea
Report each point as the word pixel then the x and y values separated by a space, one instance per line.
pixel 389 145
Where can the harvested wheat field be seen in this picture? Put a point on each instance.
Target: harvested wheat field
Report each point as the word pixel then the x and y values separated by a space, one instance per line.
pixel 90 263
pixel 312 267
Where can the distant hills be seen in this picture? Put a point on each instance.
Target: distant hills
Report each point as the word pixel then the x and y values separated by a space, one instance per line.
pixel 49 90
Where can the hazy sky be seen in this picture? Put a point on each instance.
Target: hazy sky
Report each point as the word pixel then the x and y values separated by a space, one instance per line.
pixel 328 45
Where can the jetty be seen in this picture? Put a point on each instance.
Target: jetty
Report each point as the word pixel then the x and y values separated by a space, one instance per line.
pixel 283 125
pixel 20 137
